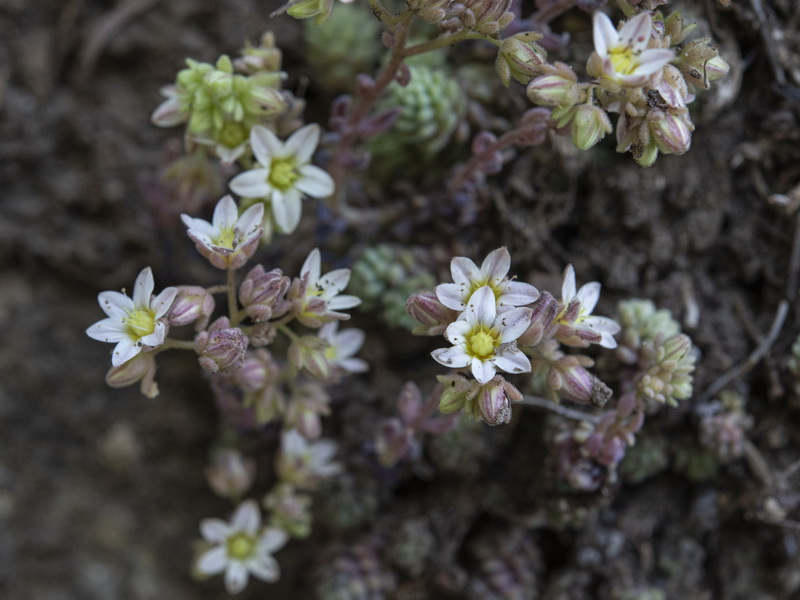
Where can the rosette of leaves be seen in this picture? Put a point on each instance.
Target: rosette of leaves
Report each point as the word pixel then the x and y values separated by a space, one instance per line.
pixel 432 107
pixel 342 47
pixel 384 277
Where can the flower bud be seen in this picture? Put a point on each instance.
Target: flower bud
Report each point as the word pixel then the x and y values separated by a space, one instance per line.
pixel 543 313
pixel 589 125
pixel 305 9
pixel 572 381
pixel 676 29
pixel 671 133
pixel 230 474
pixel 701 63
pixel 558 88
pixel 308 352
pixel 262 334
pixel 493 402
pixel 289 510
pixel 258 371
pixel 221 347
pixel 193 304
pixel 456 389
pixel 433 316
pixel 645 155
pixel 394 442
pixel 262 293
pixel 141 367
pixel 265 57
pixel 520 57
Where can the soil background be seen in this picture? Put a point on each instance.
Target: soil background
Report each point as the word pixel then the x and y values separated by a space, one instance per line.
pixel 101 490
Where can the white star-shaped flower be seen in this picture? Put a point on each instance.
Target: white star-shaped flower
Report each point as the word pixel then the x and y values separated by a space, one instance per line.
pixel 484 338
pixel 319 294
pixel 580 326
pixel 305 464
pixel 241 548
pixel 284 174
pixel 467 278
pixel 229 240
pixel 343 347
pixel 133 324
pixel 626 59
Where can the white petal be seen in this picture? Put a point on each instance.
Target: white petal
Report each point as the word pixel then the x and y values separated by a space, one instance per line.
pixel 315 182
pixel 328 332
pixel 125 350
pixel 156 338
pixel 456 332
pixel 312 267
pixel 568 287
pixel 454 357
pixel 264 568
pixel 286 210
pixel 452 295
pixel 483 370
pixel 354 365
pixel 605 35
pixel 588 296
pixel 271 540
pixel 652 60
pixel 334 281
pixel 215 530
pixel 213 561
pixel 518 293
pixel 143 289
pixel 512 360
pixel 247 518
pixel 225 213
pixel 635 34
pixel 200 226
pixel 108 330
pixel 162 303
pixel 482 307
pixel 236 576
pixel 512 323
pixel 251 219
pixel 343 302
pixel 349 341
pixel 464 270
pixel 168 113
pixel 252 184
pixel 265 145
pixel 115 304
pixel 496 265
pixel 302 143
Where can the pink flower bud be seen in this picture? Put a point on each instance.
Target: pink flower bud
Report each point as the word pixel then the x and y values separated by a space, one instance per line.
pixel 520 57
pixel 543 313
pixel 394 442
pixel 221 347
pixel 262 294
pixel 230 474
pixel 671 133
pixel 193 304
pixel 433 316
pixel 141 367
pixel 493 401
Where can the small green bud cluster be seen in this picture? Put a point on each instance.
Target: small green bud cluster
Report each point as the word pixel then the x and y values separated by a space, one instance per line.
pixel 342 47
pixel 641 322
pixel 219 105
pixel 669 376
pixel 433 107
pixel 384 277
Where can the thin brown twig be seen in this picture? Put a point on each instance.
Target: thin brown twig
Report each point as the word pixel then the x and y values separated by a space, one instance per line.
pixel 753 359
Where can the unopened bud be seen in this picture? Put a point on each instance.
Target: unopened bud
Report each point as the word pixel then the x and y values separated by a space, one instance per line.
pixel 492 403
pixel 520 57
pixel 543 313
pixel 574 382
pixel 141 367
pixel 305 9
pixel 433 316
pixel 558 88
pixel 261 294
pixel 456 390
pixel 230 474
pixel 701 63
pixel 221 347
pixel 677 30
pixel 589 125
pixel 193 304
pixel 308 352
pixel 671 133
pixel 258 371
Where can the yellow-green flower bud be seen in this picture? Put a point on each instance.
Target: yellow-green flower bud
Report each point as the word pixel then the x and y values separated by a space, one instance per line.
pixel 305 9
pixel 671 133
pixel 560 88
pixel 701 63
pixel 520 57
pixel 589 125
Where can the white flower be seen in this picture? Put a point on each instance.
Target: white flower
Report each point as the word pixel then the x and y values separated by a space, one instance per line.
pixel 319 294
pixel 483 339
pixel 343 347
pixel 576 315
pixel 626 59
pixel 468 278
pixel 285 173
pixel 241 548
pixel 305 464
pixel 229 240
pixel 133 324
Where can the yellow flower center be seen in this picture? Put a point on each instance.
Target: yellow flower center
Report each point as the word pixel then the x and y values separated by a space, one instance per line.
pixel 283 173
pixel 227 238
pixel 232 134
pixel 481 344
pixel 240 545
pixel 624 59
pixel 140 323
